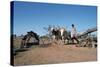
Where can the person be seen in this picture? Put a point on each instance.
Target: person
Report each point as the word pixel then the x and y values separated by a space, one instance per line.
pixel 74 34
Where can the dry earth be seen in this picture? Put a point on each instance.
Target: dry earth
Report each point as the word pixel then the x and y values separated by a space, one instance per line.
pixel 55 54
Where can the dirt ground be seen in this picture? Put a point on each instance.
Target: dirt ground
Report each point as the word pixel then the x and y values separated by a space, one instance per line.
pixel 55 54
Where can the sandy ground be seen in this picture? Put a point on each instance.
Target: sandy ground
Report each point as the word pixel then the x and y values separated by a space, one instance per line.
pixel 55 54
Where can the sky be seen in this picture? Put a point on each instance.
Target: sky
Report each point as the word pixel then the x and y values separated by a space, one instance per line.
pixel 34 16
